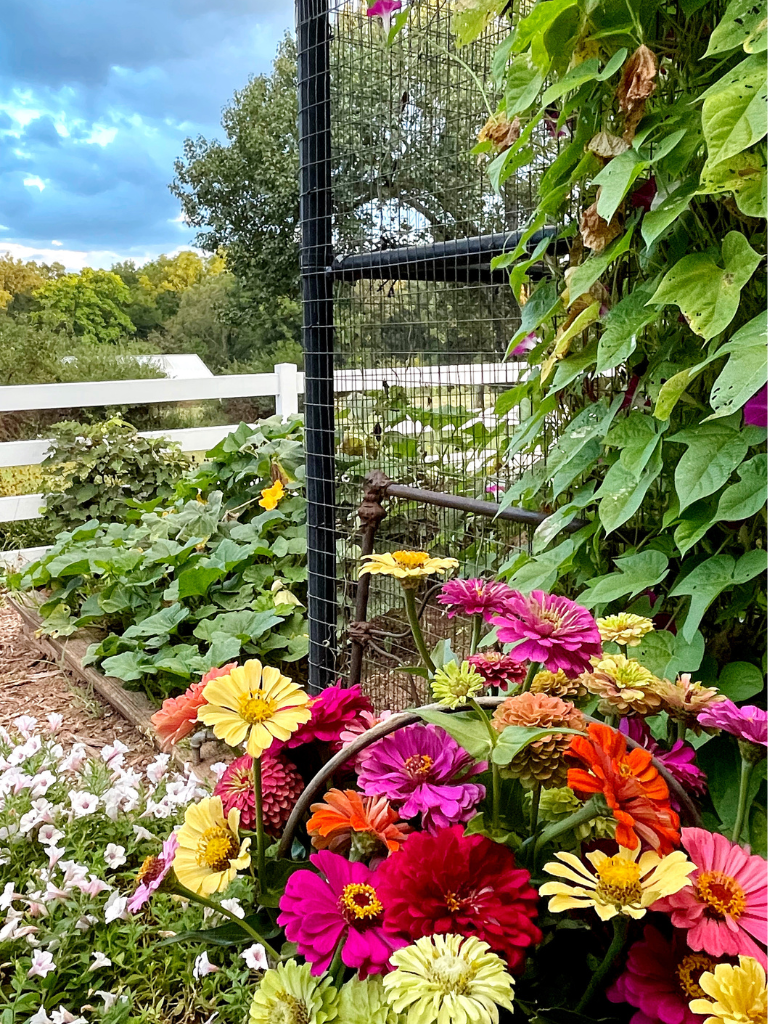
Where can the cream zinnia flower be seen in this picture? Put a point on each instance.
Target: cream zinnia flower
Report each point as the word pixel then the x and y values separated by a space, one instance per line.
pixel 624 686
pixel 625 629
pixel 254 702
pixel 455 684
pixel 365 1002
pixel 210 853
pixel 449 979
pixel 407 566
pixel 621 884
pixel 289 994
pixel 738 994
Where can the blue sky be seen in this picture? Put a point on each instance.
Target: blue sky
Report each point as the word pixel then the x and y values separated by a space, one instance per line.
pixel 96 99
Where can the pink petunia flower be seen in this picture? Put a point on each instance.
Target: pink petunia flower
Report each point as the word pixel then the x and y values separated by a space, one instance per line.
pixel 384 9
pixel 660 978
pixel 340 905
pixel 474 597
pixel 747 723
pixel 552 630
pixel 152 874
pixel 756 409
pixel 424 771
pixel 725 908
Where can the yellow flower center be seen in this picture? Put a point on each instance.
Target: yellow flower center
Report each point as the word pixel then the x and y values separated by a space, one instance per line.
pixel 216 847
pixel 419 766
pixel 150 870
pixel 411 559
pixel 453 902
pixel 255 708
pixel 722 894
pixel 359 902
pixel 619 881
pixel 689 970
pixel 451 974
pixel 287 1009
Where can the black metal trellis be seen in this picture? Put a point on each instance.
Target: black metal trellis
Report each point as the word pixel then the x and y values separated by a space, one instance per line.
pixel 415 294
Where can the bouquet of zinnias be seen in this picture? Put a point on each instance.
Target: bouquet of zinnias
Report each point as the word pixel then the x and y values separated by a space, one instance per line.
pixel 492 853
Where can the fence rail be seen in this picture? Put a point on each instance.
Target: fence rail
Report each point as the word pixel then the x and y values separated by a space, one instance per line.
pixel 285 384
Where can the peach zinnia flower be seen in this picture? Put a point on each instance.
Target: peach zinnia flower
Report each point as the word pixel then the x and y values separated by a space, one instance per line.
pixel 347 819
pixel 633 789
pixel 177 717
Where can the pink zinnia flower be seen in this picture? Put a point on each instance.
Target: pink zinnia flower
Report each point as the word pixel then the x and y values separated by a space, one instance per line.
pixel 679 760
pixel 332 711
pixel 498 669
pixel 177 717
pixel 474 597
pixel 726 903
pixel 281 787
pixel 424 770
pixel 747 723
pixel 660 978
pixel 552 630
pixel 384 9
pixel 152 874
pixel 340 905
pixel 756 409
pixel 353 730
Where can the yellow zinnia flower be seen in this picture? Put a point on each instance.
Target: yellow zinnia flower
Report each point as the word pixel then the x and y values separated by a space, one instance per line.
pixel 270 496
pixel 625 629
pixel 407 566
pixel 621 884
pixel 260 704
pixel 738 994
pixel 210 853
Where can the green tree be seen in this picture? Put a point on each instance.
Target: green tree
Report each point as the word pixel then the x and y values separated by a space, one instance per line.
pixel 19 279
pixel 90 305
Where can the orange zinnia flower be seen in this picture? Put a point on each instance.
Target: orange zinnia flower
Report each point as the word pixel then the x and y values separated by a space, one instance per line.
pixel 344 817
pixel 177 717
pixel 633 789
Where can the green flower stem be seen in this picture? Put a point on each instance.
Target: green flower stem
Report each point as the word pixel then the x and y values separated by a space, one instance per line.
pixel 203 901
pixel 533 668
pixel 681 729
pixel 477 632
pixel 336 969
pixel 593 808
pixel 258 809
pixel 535 801
pixel 620 926
pixel 747 767
pixel 493 737
pixel 418 636
pixel 612 720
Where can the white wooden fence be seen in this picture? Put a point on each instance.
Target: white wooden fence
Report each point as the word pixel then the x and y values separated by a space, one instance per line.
pixel 285 384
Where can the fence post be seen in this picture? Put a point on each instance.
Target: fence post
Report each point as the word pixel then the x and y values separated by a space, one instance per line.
pixel 287 397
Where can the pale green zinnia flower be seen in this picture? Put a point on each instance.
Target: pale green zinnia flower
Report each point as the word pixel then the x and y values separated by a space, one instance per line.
pixel 449 979
pixel 365 1002
pixel 289 994
pixel 455 684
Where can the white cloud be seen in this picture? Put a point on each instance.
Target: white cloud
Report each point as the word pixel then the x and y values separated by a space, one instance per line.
pixel 34 182
pixel 76 259
pixel 101 135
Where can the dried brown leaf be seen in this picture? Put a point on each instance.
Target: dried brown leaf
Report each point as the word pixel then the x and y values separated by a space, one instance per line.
pixel 606 145
pixel 500 132
pixel 638 80
pixel 596 232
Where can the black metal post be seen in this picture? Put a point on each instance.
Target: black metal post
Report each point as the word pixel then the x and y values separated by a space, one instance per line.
pixel 317 332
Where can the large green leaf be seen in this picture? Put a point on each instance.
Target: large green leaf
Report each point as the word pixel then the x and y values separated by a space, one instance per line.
pixel 707 293
pixel 743 24
pixel 464 727
pixel 741 680
pixel 733 115
pixel 622 325
pixel 167 620
pixel 538 21
pixel 541 572
pixel 745 372
pixel 667 655
pixel 622 490
pixel 656 222
pixel 709 579
pixel 747 497
pixel 713 453
pixel 584 276
pixel 515 738
pixel 635 573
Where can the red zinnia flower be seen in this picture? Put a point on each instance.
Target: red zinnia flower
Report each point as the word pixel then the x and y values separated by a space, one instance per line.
pixel 281 787
pixel 500 670
pixel 449 883
pixel 633 789
pixel 332 710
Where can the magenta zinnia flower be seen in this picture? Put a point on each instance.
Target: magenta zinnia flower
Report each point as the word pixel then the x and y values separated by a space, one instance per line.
pixel 498 669
pixel 339 905
pixel 152 874
pixel 679 760
pixel 549 629
pixel 660 978
pixel 426 772
pixel 281 786
pixel 332 710
pixel 726 903
pixel 747 723
pixel 474 597
pixel 756 409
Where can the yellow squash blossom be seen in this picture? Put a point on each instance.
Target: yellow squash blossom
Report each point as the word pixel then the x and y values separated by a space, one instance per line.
pixel 407 566
pixel 738 994
pixel 209 853
pixel 270 496
pixel 621 884
pixel 255 703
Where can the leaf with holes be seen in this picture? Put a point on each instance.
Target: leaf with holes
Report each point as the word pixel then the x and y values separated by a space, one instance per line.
pixel 714 450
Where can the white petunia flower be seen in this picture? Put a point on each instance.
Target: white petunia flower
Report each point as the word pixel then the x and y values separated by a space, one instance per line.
pixel 55 722
pixel 233 906
pixel 49 835
pixel 26 725
pixel 8 896
pixel 75 760
pixel 157 769
pixel 115 908
pixel 99 961
pixel 203 966
pixel 255 957
pixel 83 804
pixel 41 783
pixel 42 964
pixel 114 855
pixel 40 1017
pixel 142 833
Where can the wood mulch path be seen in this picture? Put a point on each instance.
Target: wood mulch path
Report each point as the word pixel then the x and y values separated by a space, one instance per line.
pixel 33 684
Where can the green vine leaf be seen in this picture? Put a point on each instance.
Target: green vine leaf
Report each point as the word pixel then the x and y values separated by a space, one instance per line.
pixel 622 326
pixel 706 293
pixel 666 213
pixel 635 573
pixel 583 277
pixel 747 497
pixel 733 116
pixel 709 579
pixel 515 738
pixel 743 24
pixel 714 452
pixel 745 372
